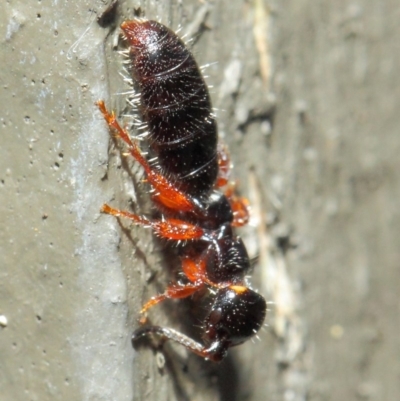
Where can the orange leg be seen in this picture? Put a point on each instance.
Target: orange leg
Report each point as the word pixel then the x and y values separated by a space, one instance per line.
pixel 240 207
pixel 174 291
pixel 173 229
pixel 166 193
pixel 195 271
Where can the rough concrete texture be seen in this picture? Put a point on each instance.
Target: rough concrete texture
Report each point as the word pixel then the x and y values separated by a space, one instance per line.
pixel 61 279
pixel 338 93
pixel 307 96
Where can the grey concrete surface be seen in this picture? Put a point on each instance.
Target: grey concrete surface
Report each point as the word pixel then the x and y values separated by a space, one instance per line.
pixel 61 279
pixel 338 88
pixel 307 98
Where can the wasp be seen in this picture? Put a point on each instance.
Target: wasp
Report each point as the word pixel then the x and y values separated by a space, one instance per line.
pixel 190 189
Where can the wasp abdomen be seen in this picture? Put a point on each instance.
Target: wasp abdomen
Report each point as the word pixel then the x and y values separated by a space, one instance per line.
pixel 175 105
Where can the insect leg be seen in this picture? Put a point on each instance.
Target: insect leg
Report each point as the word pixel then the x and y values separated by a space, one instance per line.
pixel 239 205
pixel 166 192
pixel 174 291
pixel 211 353
pixel 172 229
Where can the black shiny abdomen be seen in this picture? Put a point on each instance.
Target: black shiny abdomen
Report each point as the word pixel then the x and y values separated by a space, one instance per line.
pixel 176 106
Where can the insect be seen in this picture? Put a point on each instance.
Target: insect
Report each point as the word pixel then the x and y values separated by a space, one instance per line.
pixel 191 190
